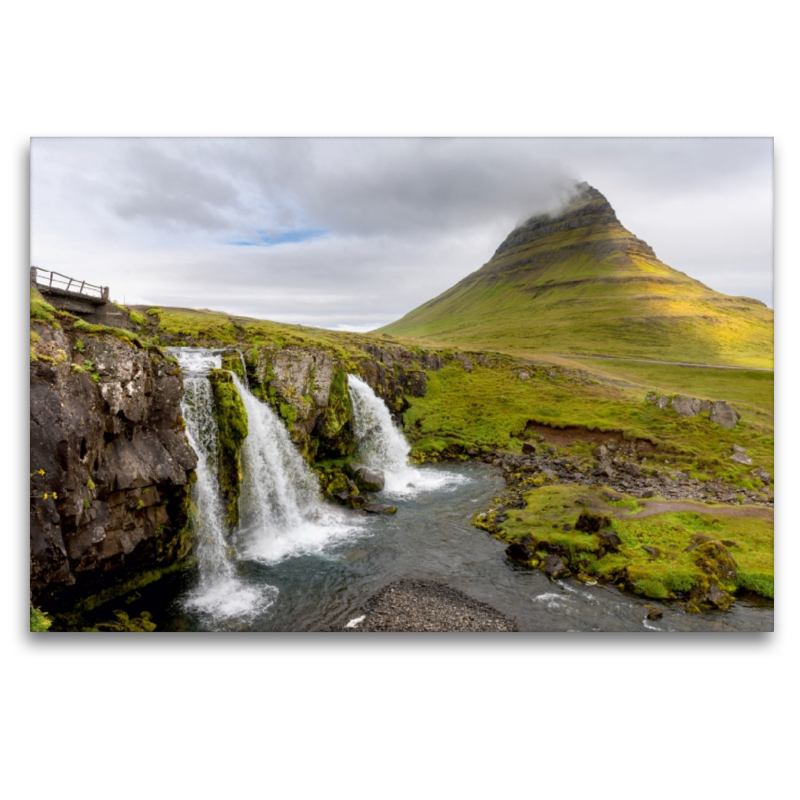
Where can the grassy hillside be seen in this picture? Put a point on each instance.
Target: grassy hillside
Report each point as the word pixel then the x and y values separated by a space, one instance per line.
pixel 491 406
pixel 580 283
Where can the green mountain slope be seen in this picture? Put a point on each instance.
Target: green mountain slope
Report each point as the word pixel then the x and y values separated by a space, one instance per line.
pixel 578 283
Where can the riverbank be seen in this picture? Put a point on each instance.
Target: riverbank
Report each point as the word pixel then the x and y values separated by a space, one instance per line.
pixel 415 606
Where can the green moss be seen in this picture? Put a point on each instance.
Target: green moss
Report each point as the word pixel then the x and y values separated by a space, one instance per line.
pixel 334 428
pixel 134 583
pixel 232 424
pixel 289 414
pixel 40 621
pixel 693 550
pixel 137 318
pixel 232 363
pixel 124 623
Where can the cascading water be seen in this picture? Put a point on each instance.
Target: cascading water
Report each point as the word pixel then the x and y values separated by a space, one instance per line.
pixel 281 513
pixel 219 592
pixel 244 370
pixel 382 446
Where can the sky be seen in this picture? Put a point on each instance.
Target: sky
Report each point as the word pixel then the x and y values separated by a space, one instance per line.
pixel 353 233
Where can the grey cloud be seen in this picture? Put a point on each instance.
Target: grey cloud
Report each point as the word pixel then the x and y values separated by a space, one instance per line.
pixel 404 218
pixel 163 189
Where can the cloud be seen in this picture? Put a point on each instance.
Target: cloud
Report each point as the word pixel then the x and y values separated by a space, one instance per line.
pixel 356 231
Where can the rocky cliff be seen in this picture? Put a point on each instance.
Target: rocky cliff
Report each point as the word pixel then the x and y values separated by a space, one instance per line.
pixel 307 386
pixel 110 464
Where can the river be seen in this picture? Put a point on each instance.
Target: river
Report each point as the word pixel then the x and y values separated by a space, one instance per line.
pixel 431 537
pixel 297 563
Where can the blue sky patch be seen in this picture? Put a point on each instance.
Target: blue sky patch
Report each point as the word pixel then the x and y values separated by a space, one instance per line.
pixel 269 239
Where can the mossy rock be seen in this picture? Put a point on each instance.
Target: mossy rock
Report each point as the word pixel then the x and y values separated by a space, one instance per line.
pixel 232 425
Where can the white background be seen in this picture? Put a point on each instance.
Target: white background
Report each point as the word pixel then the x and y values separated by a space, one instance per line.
pixel 611 715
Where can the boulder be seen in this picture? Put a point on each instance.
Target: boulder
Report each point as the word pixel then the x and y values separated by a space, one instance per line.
pixel 375 508
pixel 686 406
pixel 662 402
pixel 609 541
pixel 369 480
pixel 589 522
pixel 528 448
pixel 762 475
pixel 740 456
pixel 523 550
pixel 723 414
pixel 653 612
pixel 524 376
pixel 600 452
pixel 554 566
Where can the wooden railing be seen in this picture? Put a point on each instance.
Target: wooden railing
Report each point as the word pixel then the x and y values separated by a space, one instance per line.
pixel 47 279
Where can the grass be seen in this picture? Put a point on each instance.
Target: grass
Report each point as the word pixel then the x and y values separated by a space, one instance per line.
pixel 677 569
pixel 747 390
pixel 492 406
pixel 571 292
pixel 41 310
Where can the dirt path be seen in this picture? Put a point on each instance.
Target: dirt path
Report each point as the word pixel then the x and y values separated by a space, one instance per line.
pixel 651 361
pixel 665 506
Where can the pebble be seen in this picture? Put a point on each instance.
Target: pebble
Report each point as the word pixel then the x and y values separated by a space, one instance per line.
pixel 417 605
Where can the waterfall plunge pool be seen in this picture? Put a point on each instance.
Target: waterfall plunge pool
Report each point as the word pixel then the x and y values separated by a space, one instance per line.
pixel 301 564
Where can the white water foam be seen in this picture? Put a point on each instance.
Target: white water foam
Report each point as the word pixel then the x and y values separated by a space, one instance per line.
pixel 382 446
pixel 585 595
pixel 280 508
pixel 552 600
pixel 219 593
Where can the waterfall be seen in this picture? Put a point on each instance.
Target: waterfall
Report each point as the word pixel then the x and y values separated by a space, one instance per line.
pixel 244 370
pixel 382 446
pixel 280 507
pixel 219 592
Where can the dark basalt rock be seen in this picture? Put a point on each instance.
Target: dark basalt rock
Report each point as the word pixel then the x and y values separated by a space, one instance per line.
pixel 554 566
pixel 609 541
pixel 523 550
pixel 588 209
pixel 589 522
pixel 110 466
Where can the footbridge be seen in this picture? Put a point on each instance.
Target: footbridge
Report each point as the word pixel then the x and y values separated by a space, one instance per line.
pixel 79 297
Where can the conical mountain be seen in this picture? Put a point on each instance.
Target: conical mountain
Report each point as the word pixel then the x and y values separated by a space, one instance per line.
pixel 578 283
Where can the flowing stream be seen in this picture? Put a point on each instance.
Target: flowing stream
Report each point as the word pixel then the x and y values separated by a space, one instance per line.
pixel 297 563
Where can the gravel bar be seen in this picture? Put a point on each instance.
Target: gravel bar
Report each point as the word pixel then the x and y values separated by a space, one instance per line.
pixel 416 605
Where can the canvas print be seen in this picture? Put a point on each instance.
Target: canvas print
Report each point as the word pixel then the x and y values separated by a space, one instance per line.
pixel 401 385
